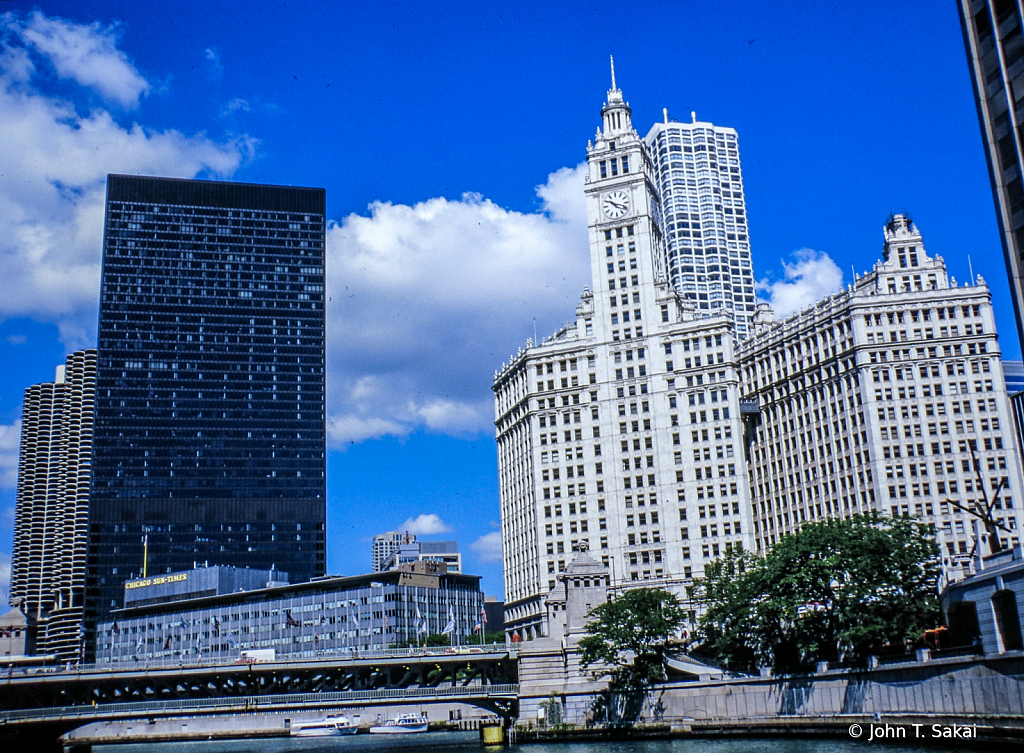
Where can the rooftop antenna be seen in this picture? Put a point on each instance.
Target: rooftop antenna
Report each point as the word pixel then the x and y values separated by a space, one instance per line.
pixel 853 272
pixel 612 58
pixel 534 330
pixel 664 111
pixel 970 267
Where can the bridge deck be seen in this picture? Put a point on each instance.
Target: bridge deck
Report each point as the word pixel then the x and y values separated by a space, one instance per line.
pixel 488 696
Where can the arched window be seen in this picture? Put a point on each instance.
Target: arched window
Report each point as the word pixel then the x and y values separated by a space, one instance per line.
pixel 1004 604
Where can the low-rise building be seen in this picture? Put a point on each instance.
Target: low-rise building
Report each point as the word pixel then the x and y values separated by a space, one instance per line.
pixel 331 614
pixel 984 609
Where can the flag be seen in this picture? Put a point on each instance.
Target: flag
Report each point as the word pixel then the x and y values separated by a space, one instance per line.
pixel 481 624
pixel 387 622
pixel 216 626
pixel 352 619
pixel 117 630
pixel 316 640
pixel 140 643
pixel 289 620
pixel 421 624
pixel 450 627
pixel 167 644
pixel 323 618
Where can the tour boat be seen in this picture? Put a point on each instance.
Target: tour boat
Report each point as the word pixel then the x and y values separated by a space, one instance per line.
pixel 404 724
pixel 332 726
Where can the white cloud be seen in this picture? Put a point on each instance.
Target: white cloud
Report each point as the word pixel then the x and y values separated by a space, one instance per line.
pixel 17 339
pixel 426 524
pixel 10 439
pixel 235 104
pixel 812 276
pixel 488 547
pixel 52 192
pixel 216 70
pixel 426 301
pixel 86 54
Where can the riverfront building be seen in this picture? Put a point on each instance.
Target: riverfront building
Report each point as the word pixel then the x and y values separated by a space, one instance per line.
pixel 994 38
pixel 650 431
pixel 202 613
pixel 886 397
pixel 210 434
pixel 621 432
pixel 52 506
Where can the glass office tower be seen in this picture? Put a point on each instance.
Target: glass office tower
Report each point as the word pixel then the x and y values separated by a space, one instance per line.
pixel 994 37
pixel 209 443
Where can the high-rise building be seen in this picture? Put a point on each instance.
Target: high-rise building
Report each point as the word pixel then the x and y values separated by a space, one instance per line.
pixel 887 397
pixel 651 433
pixel 52 505
pixel 210 426
pixel 994 38
pixel 696 167
pixel 385 545
pixel 622 432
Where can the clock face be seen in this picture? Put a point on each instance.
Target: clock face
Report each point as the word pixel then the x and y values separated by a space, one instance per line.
pixel 615 204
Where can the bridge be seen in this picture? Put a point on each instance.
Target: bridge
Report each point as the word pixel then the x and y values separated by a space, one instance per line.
pixel 40 703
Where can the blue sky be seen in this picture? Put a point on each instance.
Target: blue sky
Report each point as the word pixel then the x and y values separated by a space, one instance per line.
pixel 448 139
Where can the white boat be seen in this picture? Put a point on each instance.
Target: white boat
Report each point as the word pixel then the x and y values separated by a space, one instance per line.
pixel 331 726
pixel 404 724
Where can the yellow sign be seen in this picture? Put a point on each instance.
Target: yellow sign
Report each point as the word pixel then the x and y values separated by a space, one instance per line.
pixel 158 581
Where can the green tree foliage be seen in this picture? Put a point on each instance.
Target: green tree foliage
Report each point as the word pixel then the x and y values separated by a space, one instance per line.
pixel 626 636
pixel 837 591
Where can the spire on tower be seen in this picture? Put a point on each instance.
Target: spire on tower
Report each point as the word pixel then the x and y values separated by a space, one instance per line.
pixel 613 71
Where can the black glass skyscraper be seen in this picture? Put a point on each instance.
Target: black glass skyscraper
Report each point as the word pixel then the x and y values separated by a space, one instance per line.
pixel 210 437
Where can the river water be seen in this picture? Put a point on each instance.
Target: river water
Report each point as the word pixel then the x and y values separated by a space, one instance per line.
pixel 438 742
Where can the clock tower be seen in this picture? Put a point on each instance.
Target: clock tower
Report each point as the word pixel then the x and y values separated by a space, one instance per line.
pixel 600 425
pixel 624 217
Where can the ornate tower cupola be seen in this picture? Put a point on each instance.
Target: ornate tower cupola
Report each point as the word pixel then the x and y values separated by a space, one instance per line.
pixel 616 115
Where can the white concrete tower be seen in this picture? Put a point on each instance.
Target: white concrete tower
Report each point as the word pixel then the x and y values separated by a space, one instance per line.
pixel 597 425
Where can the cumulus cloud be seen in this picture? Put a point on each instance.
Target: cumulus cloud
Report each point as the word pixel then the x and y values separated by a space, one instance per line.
pixel 10 438
pixel 52 192
pixel 426 524
pixel 488 547
pixel 17 339
pixel 426 301
pixel 811 276
pixel 84 53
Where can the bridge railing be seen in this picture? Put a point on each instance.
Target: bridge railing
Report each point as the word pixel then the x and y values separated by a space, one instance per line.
pixel 190 661
pixel 264 702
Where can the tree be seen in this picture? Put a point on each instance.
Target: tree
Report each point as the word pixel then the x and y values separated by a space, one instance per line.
pixel 727 592
pixel 837 591
pixel 627 635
